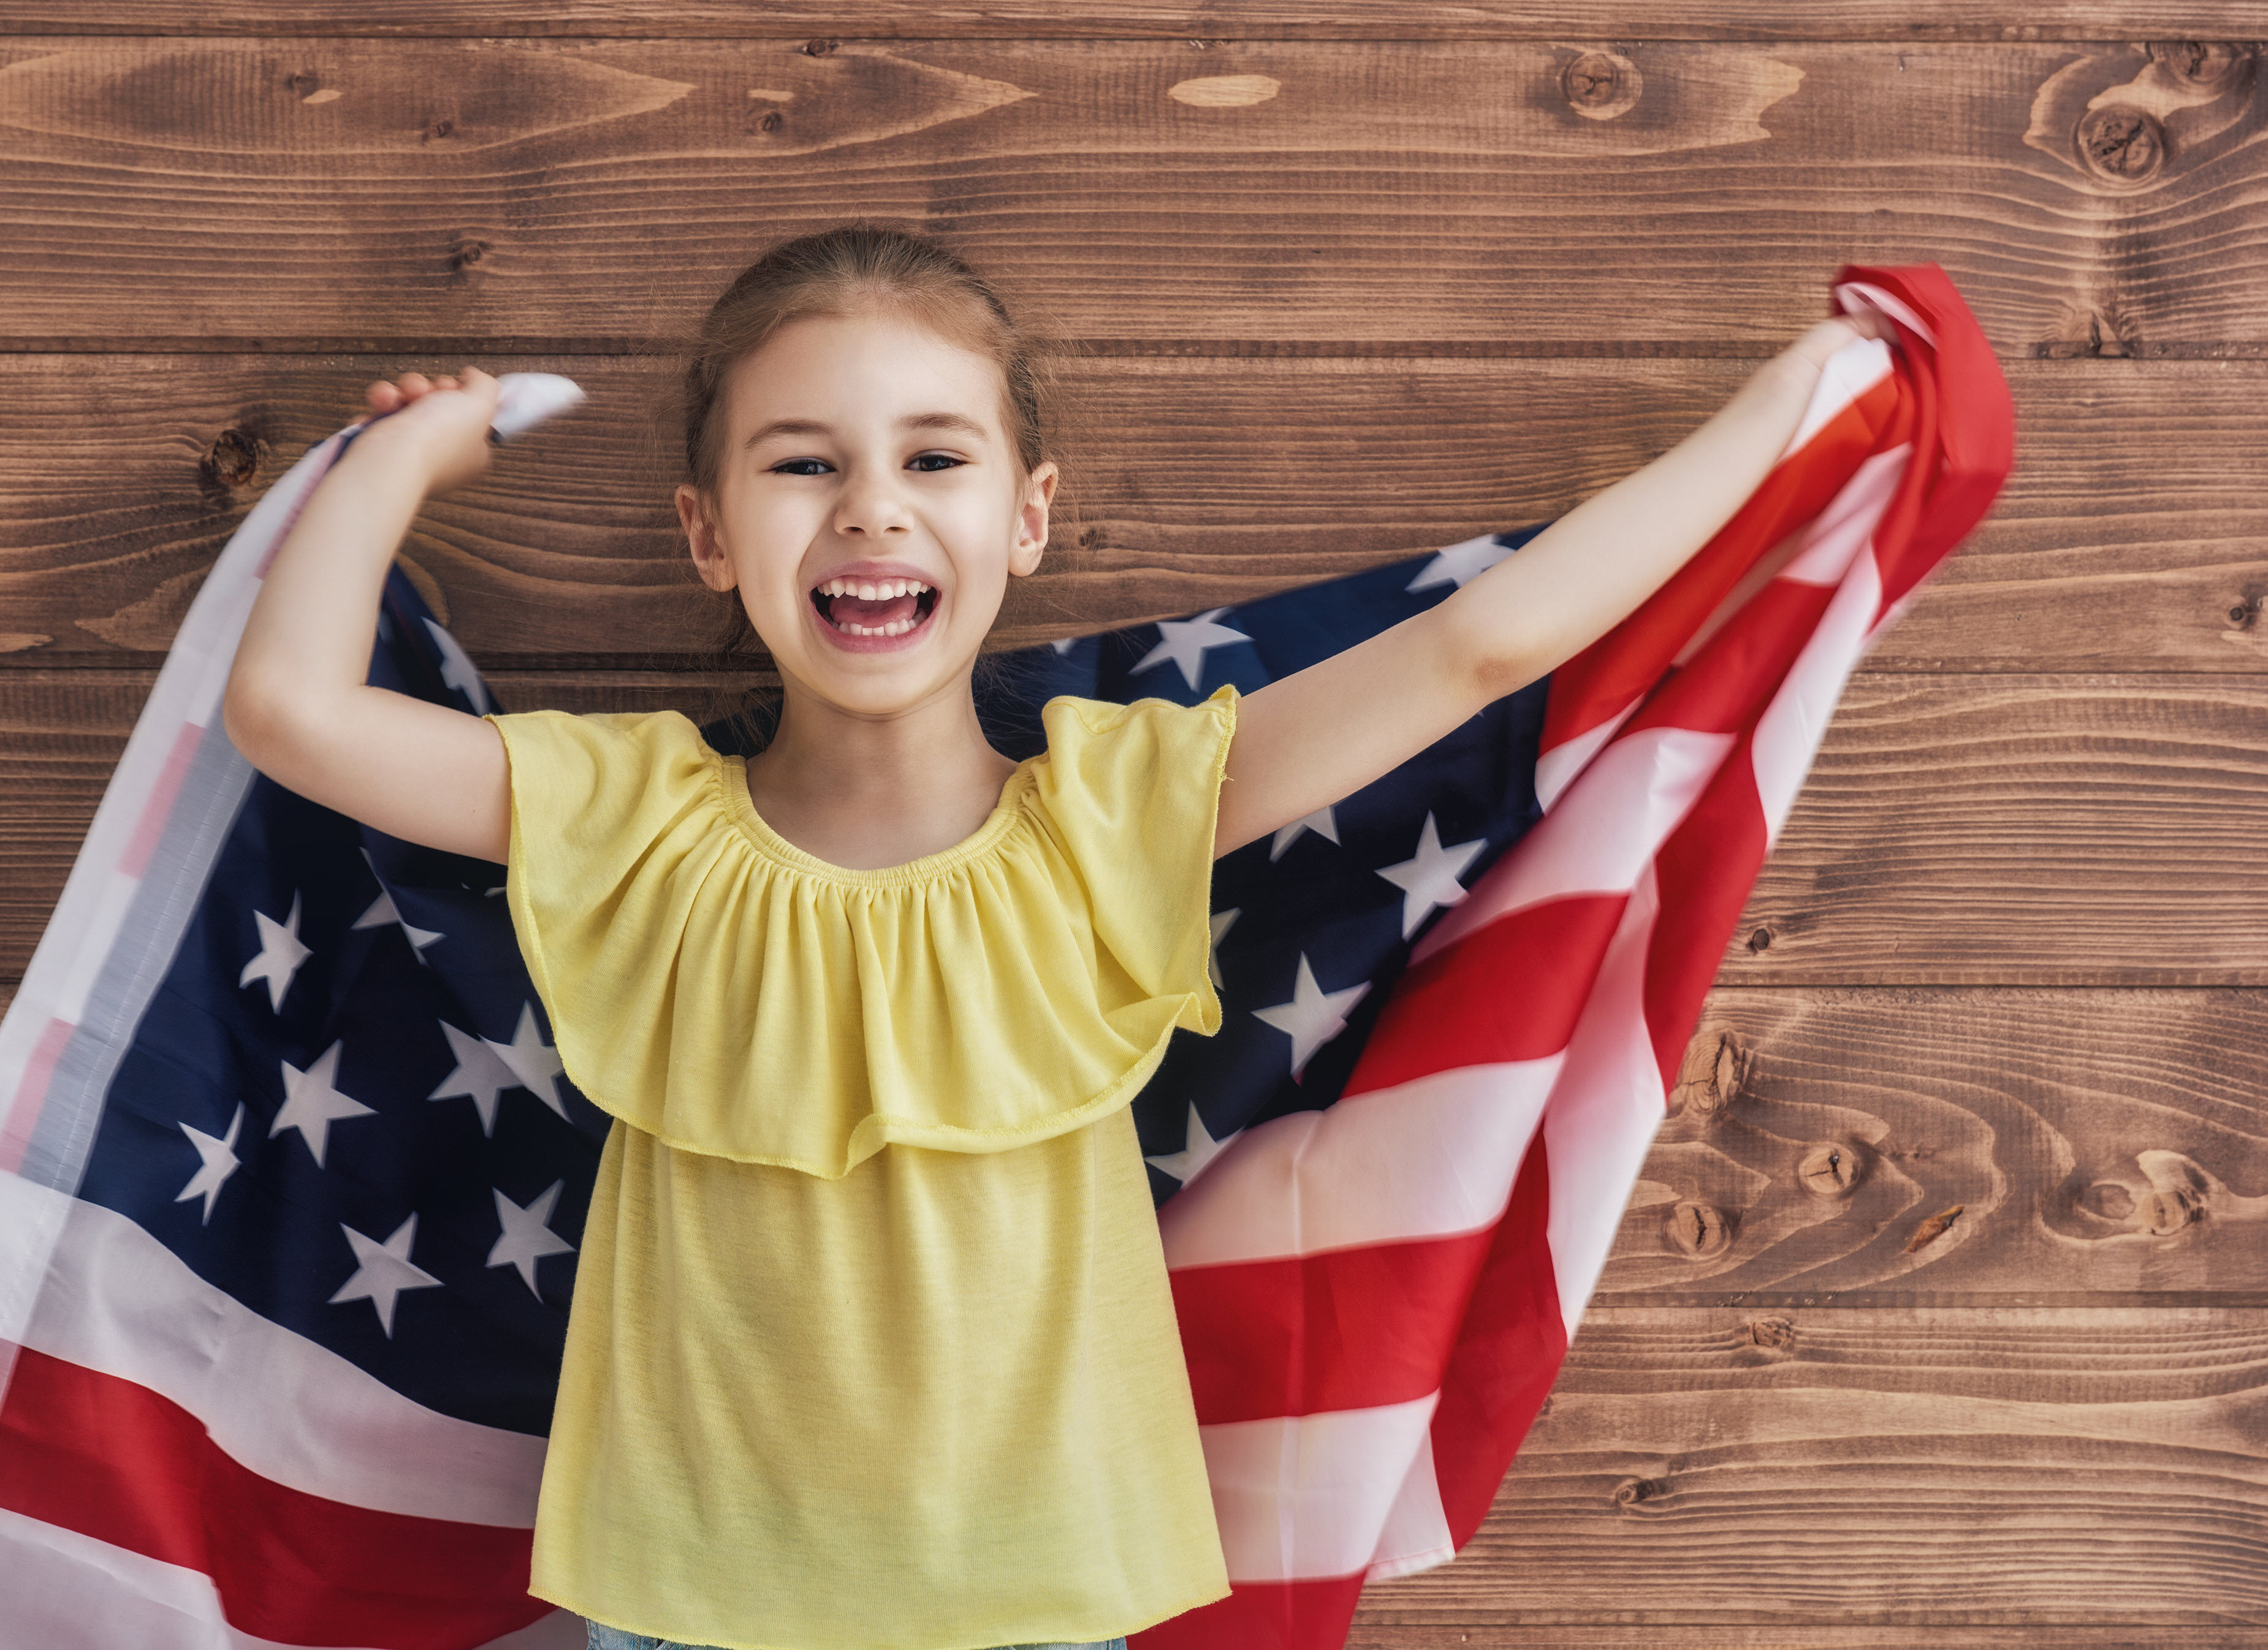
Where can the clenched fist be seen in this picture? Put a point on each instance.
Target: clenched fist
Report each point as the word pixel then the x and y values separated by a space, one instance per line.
pixel 438 425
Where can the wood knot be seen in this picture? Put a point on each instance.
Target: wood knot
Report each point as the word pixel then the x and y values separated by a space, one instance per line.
pixel 2108 1200
pixel 233 459
pixel 1600 85
pixel 1774 1335
pixel 435 130
pixel 1712 1078
pixel 1830 1169
pixel 1761 939
pixel 304 84
pixel 819 48
pixel 1696 1230
pixel 770 122
pixel 2210 64
pixel 1934 1228
pixel 1631 1491
pixel 2167 1209
pixel 465 255
pixel 2120 143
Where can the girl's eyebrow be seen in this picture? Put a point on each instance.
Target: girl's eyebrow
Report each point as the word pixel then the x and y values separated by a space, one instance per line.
pixel 912 421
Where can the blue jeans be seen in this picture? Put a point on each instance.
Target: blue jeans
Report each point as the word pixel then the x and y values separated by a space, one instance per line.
pixel 615 1638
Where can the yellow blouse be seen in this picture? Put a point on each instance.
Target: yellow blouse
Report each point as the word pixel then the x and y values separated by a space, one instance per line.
pixel 821 1395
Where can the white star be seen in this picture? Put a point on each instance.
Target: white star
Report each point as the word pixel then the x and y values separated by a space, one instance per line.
pixel 1184 641
pixel 1324 822
pixel 528 1235
pixel 1432 878
pixel 281 953
pixel 383 1271
pixel 482 1072
pixel 457 670
pixel 216 1161
pixel 1459 563
pixel 382 911
pixel 1314 1016
pixel 1221 923
pixel 312 1104
pixel 1198 1148
pixel 533 1061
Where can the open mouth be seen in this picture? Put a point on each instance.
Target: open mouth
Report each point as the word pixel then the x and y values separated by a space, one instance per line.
pixel 875 606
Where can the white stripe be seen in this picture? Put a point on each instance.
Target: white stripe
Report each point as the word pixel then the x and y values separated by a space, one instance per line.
pixel 1604 1111
pixel 1846 375
pixel 1853 295
pixel 1841 531
pixel 1428 1158
pixel 118 1301
pixel 1789 732
pixel 1415 1535
pixel 1604 832
pixel 65 1591
pixel 1307 1496
pixel 1557 769
pixel 111 891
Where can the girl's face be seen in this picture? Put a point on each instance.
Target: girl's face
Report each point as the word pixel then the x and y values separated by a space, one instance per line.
pixel 869 508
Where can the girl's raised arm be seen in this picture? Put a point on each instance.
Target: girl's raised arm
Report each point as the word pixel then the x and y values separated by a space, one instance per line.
pixel 1331 729
pixel 297 705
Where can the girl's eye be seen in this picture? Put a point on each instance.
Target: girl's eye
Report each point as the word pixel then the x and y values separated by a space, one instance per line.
pixel 929 463
pixel 786 466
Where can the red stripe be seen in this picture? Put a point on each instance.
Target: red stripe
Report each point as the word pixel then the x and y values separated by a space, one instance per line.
pixel 1508 1351
pixel 1345 1330
pixel 160 803
pixel 1263 1615
pixel 109 1459
pixel 1726 687
pixel 1704 872
pixel 1511 990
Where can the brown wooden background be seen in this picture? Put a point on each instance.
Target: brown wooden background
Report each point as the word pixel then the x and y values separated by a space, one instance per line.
pixel 1358 279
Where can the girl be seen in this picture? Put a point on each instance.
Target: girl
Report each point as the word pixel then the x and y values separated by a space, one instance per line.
pixel 871 1343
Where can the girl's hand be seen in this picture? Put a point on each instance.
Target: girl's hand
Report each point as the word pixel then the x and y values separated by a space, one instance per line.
pixel 1827 336
pixel 440 424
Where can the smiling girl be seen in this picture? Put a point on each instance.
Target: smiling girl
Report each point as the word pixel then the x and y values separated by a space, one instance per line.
pixel 871 1343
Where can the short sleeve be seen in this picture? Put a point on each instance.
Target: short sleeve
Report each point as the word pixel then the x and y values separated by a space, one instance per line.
pixel 607 810
pixel 1131 794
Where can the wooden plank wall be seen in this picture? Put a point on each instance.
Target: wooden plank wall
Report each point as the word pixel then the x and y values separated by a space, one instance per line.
pixel 1357 279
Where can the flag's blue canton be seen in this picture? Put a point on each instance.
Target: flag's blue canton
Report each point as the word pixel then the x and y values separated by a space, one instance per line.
pixel 342 1107
pixel 1311 924
pixel 355 971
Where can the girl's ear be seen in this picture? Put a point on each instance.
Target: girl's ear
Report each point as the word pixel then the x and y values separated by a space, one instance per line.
pixel 701 537
pixel 1032 519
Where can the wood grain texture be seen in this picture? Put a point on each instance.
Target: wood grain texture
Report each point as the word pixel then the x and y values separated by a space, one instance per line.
pixel 2103 1146
pixel 1210 24
pixel 230 194
pixel 1923 1467
pixel 2133 534
pixel 2023 830
pixel 1955 830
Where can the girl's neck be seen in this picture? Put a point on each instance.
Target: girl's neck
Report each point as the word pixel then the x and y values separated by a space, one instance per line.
pixel 866 793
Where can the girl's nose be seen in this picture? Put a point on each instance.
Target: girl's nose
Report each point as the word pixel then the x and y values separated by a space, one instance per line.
pixel 871 506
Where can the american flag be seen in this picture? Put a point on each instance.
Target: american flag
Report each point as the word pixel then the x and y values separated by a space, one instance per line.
pixel 291 1179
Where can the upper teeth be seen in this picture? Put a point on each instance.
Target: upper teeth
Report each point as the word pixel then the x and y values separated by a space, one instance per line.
pixel 884 590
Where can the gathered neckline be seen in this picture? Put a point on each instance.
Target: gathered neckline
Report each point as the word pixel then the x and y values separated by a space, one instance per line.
pixel 731 773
